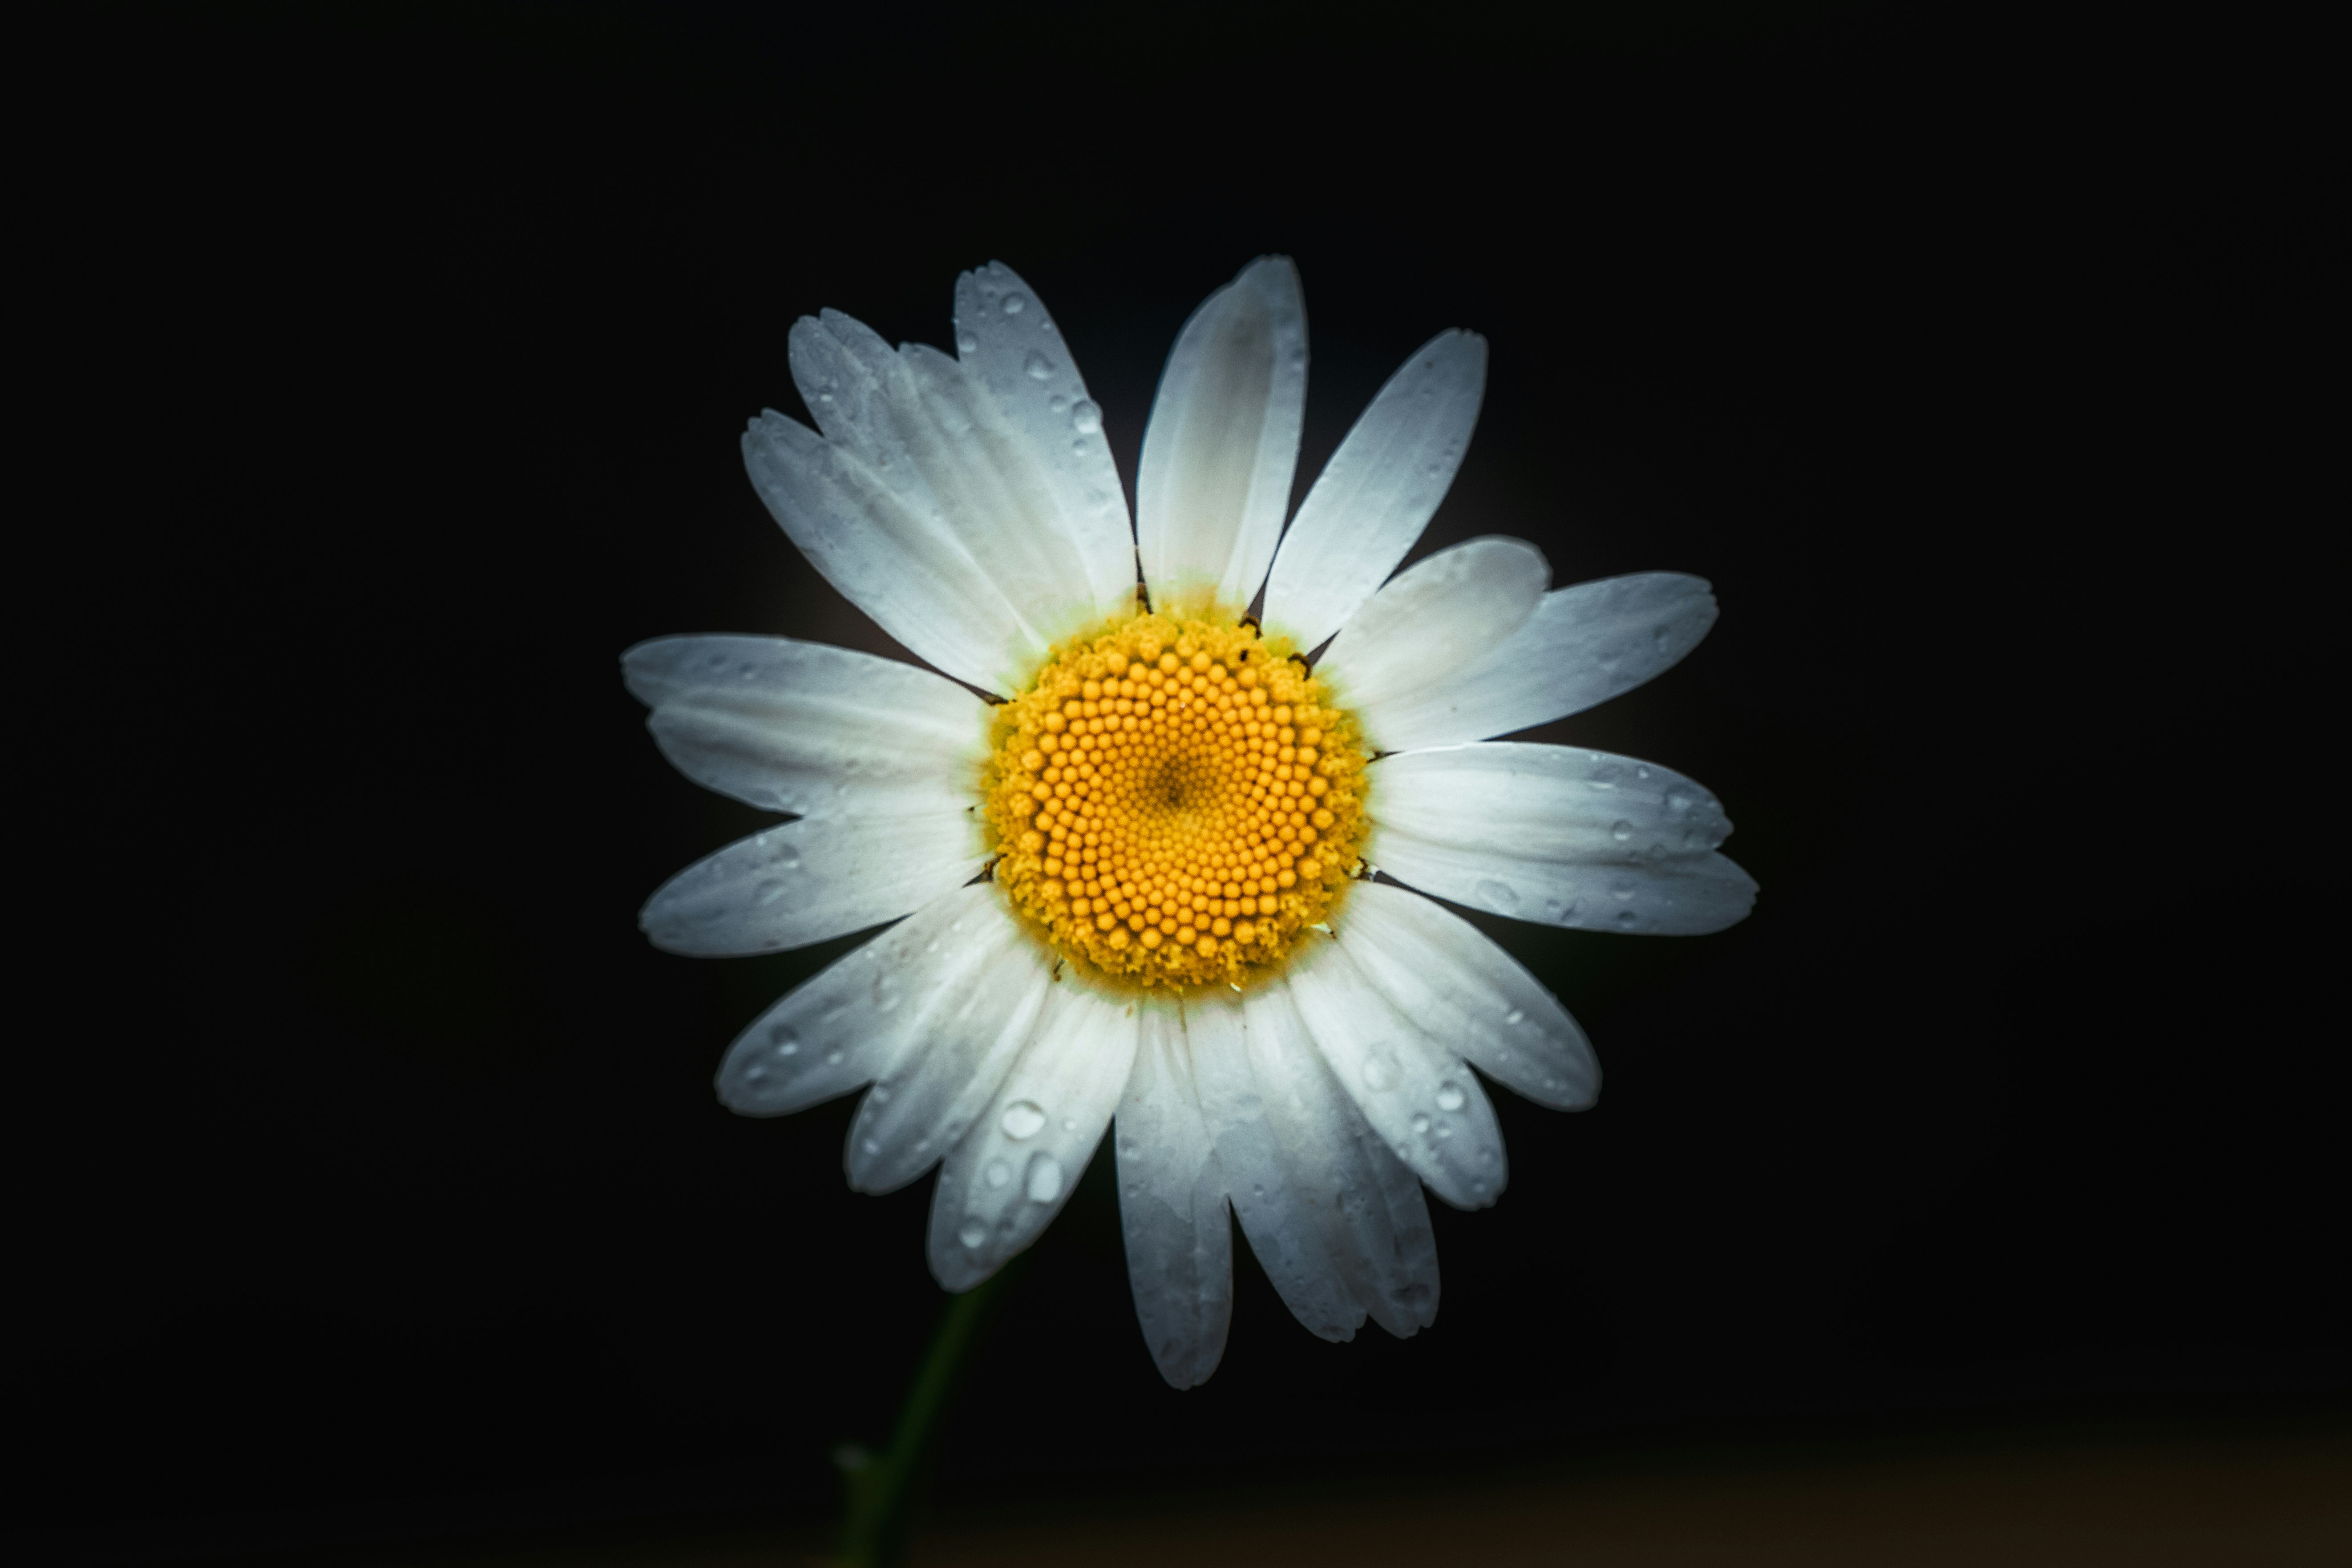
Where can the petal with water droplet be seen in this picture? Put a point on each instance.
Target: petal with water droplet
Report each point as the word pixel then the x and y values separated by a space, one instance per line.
pixel 1531 831
pixel 1379 490
pixel 1173 1206
pixel 801 727
pixel 1077 1057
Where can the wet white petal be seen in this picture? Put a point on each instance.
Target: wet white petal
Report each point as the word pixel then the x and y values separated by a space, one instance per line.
pixel 1362 1199
pixel 1558 834
pixel 860 1018
pixel 1417 635
pixel 1284 1231
pixel 1012 1172
pixel 1583 646
pixel 903 566
pixel 1379 490
pixel 1213 484
pixel 1416 1093
pixel 931 431
pixel 803 727
pixel 1449 978
pixel 1009 344
pixel 807 881
pixel 1171 1204
pixel 967 1040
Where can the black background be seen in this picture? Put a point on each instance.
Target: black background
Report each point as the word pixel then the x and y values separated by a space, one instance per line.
pixel 369 1177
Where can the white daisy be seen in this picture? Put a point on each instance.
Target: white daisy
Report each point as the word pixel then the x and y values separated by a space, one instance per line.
pixel 1137 885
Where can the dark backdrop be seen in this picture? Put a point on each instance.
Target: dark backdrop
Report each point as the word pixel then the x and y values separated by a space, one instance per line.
pixel 370 1174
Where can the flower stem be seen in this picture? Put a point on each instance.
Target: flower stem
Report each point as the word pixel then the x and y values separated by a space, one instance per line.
pixel 885 1490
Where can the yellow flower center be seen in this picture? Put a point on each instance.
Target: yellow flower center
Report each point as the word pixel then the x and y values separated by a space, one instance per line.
pixel 1173 803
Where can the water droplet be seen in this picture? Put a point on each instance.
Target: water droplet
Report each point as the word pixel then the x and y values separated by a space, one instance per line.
pixel 1421 1123
pixel 1497 896
pixel 873 1145
pixel 1022 1118
pixel 1624 887
pixel 1039 367
pixel 966 344
pixel 1130 1147
pixel 997 1172
pixel 1451 1097
pixel 1620 831
pixel 1085 416
pixel 834 1058
pixel 787 1044
pixel 1380 1072
pixel 1045 1184
pixel 1515 1016
pixel 972 1233
pixel 1013 304
pixel 1627 919
pixel 755 1074
pixel 881 1094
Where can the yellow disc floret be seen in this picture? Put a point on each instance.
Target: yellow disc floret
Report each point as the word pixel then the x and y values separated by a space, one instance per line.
pixel 1173 802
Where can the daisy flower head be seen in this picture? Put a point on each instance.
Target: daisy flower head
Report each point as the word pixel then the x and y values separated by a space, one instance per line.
pixel 1128 831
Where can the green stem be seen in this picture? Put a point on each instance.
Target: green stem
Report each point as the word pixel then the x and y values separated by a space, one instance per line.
pixel 884 1490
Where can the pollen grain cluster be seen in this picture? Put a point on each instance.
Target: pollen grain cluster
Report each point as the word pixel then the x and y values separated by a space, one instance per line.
pixel 1173 804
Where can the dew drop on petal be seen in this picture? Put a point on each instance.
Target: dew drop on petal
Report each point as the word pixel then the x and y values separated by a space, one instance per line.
pixel 1627 919
pixel 1039 367
pixel 1450 1097
pixel 966 344
pixel 1498 896
pixel 1013 304
pixel 1022 1118
pixel 1045 1182
pixel 1380 1072
pixel 1421 1123
pixel 1620 831
pixel 997 1172
pixel 1085 416
pixel 972 1233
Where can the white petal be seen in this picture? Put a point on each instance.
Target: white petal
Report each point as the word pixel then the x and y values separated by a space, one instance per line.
pixel 1366 1203
pixel 1583 646
pixel 1467 993
pixel 929 430
pixel 1379 492
pixel 1416 634
pixel 859 1018
pixel 1287 1236
pixel 1019 355
pixel 811 879
pixel 1011 1174
pixel 968 1034
pixel 1558 834
pixel 804 727
pixel 1416 1092
pixel 1213 484
pixel 1172 1204
pixel 902 566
